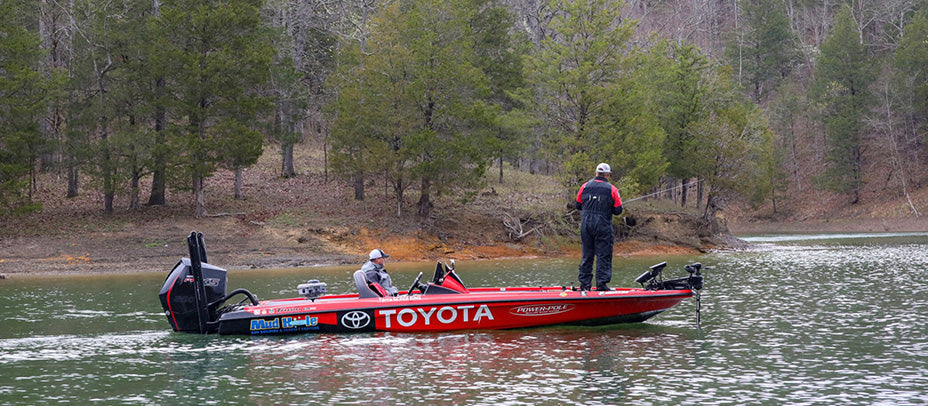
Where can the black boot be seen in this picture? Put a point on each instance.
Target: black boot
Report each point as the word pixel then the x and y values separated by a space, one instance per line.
pixel 602 287
pixel 584 288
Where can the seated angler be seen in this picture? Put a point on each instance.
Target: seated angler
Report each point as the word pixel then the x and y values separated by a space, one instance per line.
pixel 374 271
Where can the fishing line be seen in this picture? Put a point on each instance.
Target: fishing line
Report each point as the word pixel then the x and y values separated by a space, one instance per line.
pixel 662 191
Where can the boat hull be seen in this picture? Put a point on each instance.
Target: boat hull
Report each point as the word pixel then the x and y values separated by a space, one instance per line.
pixel 479 309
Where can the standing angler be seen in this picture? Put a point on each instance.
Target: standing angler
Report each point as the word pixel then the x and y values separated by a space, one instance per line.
pixel 598 200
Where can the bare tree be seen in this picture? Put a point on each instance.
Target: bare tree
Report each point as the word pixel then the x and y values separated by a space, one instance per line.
pixel 887 135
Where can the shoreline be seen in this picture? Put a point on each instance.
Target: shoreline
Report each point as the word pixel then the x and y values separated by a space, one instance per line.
pixel 133 252
pixel 66 265
pixel 830 226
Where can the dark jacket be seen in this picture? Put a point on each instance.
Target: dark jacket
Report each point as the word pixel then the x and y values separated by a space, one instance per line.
pixel 376 273
pixel 599 199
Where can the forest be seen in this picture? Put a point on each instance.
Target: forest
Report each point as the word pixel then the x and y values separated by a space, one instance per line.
pixel 722 99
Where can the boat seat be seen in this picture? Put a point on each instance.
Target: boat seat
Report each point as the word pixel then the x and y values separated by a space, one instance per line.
pixel 367 289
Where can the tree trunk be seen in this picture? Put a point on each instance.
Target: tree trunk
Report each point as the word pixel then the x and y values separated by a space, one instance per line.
pixel 286 152
pixel 855 156
pixel 200 196
pixel 156 198
pixel 283 128
pixel 72 180
pixel 109 181
pixel 795 155
pixel 109 184
pixel 425 202
pixel 699 194
pixel 134 191
pixel 325 158
pixel 398 188
pixel 359 186
pixel 501 167
pixel 712 205
pixel 159 166
pixel 684 185
pixel 238 183
pixel 52 32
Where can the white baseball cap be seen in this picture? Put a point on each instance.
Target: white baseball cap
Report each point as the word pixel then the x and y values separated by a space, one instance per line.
pixel 378 253
pixel 603 168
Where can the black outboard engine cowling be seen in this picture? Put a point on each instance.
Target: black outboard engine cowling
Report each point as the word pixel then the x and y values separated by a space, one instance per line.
pixel 178 296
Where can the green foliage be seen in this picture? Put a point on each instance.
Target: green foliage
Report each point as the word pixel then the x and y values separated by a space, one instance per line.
pixel 592 103
pixel 680 91
pixel 415 104
pixel 217 56
pixel 784 111
pixel 766 51
pixel 23 98
pixel 106 107
pixel 499 54
pixel 734 142
pixel 427 93
pixel 911 63
pixel 843 74
pixel 712 131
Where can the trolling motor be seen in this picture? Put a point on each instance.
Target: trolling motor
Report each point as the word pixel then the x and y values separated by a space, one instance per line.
pixel 194 290
pixel 655 281
pixel 652 279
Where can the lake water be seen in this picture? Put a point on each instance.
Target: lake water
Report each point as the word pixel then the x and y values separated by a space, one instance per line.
pixel 801 320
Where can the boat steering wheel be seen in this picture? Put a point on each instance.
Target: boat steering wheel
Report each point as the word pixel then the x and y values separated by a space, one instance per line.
pixel 415 284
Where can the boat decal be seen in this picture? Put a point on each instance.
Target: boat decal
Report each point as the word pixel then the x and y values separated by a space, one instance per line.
pixel 401 298
pixel 409 316
pixel 208 282
pixel 297 321
pixel 541 310
pixel 296 309
pixel 284 324
pixel 356 320
pixel 264 324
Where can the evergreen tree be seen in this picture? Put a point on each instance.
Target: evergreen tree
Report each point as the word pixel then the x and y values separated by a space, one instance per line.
pixel 155 63
pixel 587 98
pixel 733 142
pixel 680 91
pixel 911 63
pixel 218 55
pixel 417 107
pixel 106 113
pixel 24 92
pixel 763 55
pixel 499 54
pixel 842 76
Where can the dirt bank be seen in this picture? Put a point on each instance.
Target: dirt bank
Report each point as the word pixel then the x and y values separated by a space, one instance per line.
pixel 156 245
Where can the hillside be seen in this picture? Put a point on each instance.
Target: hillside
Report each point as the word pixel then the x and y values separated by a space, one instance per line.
pixel 302 221
pixel 833 214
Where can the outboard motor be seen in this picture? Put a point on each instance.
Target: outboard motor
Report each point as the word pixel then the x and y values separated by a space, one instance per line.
pixel 193 290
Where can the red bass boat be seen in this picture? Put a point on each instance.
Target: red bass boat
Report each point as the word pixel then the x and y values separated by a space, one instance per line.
pixel 194 300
